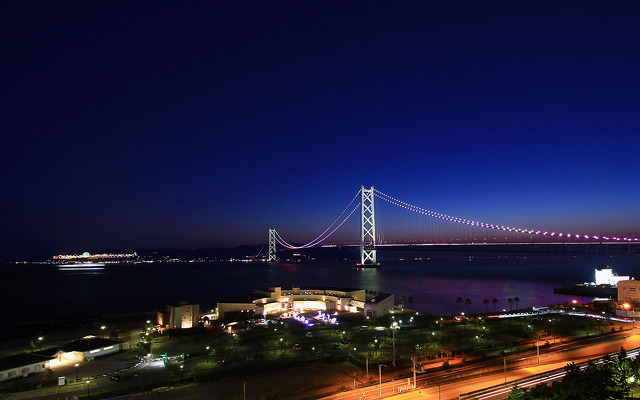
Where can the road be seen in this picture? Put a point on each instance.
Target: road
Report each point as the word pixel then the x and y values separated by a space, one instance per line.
pixel 453 382
pixel 147 372
pixel 477 376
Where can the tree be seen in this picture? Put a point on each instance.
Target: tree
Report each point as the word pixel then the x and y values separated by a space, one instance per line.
pixel 495 305
pixel 402 299
pixel 411 302
pixel 510 301
pixel 517 300
pixel 486 306
pixel 212 353
pixel 622 371
pixel 517 394
pixel 459 301
pixel 32 346
pixel 468 303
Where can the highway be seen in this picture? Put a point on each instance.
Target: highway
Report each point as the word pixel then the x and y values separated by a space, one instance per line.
pixel 450 384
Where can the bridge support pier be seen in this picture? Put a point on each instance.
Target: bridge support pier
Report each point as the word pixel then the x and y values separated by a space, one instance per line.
pixel 367 228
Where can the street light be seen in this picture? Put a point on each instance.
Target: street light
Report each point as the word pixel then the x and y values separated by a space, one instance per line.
pixel 87 389
pixel 504 358
pixel 380 377
pixel 633 315
pixel 437 383
pixel 207 354
pixel 394 326
pixel 77 365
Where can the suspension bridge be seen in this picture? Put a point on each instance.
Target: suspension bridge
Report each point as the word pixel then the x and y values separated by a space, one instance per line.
pixel 410 226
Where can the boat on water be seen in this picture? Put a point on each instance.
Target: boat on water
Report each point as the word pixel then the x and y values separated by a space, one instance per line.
pixel 89 266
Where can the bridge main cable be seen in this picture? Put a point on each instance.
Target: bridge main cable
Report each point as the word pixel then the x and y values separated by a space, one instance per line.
pixel 445 217
pixel 324 235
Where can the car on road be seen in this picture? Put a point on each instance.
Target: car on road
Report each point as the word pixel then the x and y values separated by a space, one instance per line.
pixel 337 346
pixel 297 347
pixel 222 362
pixel 116 378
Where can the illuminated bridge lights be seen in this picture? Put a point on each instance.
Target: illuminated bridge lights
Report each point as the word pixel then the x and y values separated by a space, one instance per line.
pixel 445 217
pixel 350 209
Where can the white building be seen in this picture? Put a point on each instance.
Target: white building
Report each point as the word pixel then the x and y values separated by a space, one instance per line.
pixel 180 316
pixel 22 365
pixel 83 349
pixel 276 299
pixel 89 348
pixel 605 276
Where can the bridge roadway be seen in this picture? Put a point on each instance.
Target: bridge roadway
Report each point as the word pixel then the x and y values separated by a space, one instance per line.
pixel 451 384
pixel 521 247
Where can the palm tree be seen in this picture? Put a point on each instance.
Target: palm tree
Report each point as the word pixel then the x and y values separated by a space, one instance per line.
pixel 486 305
pixel 411 302
pixel 468 303
pixel 459 301
pixel 510 301
pixel 517 300
pixel 402 299
pixel 495 305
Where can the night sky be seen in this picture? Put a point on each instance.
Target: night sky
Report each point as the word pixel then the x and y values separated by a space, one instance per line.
pixel 202 124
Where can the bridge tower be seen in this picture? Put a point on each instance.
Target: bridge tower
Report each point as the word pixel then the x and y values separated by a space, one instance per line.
pixel 272 245
pixel 367 227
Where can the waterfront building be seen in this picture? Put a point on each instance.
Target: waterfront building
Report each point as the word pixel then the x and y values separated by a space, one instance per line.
pixel 180 316
pixel 605 276
pixel 629 291
pixel 277 300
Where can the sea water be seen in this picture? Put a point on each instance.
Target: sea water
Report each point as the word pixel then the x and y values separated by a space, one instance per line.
pixel 434 280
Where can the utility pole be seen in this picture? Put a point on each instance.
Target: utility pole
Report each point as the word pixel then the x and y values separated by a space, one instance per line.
pixel 366 360
pixel 393 345
pixel 414 371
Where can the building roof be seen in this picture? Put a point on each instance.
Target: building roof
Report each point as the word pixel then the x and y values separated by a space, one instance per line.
pixel 89 344
pixel 49 352
pixel 247 298
pixel 182 304
pixel 303 288
pixel 21 360
pixel 242 298
pixel 380 297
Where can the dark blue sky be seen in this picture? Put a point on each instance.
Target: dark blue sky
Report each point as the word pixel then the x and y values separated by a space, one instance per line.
pixel 163 124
